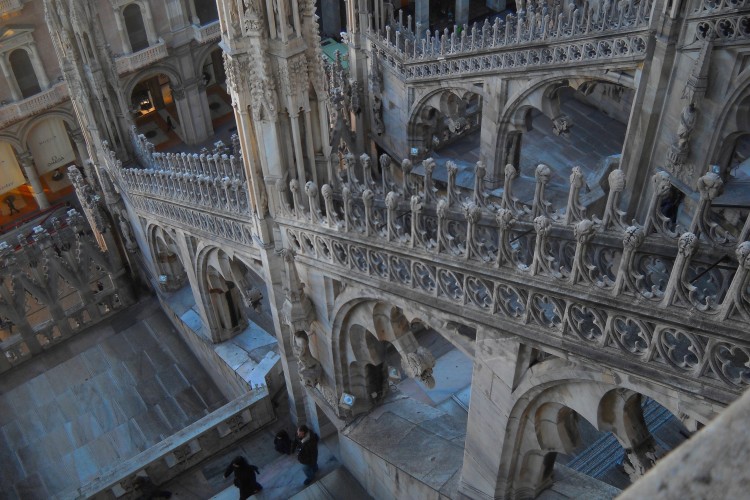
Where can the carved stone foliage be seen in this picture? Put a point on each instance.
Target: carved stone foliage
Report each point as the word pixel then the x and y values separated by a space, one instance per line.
pixel 201 222
pixel 664 344
pixel 58 263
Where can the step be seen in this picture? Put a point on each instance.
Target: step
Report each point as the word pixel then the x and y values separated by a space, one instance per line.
pixel 338 485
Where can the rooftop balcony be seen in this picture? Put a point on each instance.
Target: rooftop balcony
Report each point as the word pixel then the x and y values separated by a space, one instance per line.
pixel 8 6
pixel 207 33
pixel 17 111
pixel 127 63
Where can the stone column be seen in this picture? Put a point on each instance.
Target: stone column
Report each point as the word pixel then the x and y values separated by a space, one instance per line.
pixel 492 383
pixel 299 159
pixel 8 74
pixel 422 16
pixel 148 21
pixel 36 61
pixel 27 163
pixel 193 14
pixel 78 140
pixel 462 12
pixel 177 15
pixel 193 112
pixel 310 147
pixel 126 47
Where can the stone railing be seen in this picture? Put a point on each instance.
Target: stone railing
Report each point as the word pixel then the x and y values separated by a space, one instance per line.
pixel 716 6
pixel 539 37
pixel 646 294
pixel 178 453
pixel 208 193
pixel 8 6
pixel 54 284
pixel 207 33
pixel 33 105
pixel 131 62
pixel 721 21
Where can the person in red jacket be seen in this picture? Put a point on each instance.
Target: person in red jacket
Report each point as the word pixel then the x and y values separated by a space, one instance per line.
pixel 306 446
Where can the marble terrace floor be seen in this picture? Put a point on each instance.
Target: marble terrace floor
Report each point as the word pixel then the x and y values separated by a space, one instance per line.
pixel 107 394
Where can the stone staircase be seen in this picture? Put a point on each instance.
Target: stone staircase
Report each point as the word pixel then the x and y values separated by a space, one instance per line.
pixel 283 479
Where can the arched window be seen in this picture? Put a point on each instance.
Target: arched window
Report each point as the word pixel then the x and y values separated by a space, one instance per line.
pixel 206 11
pixel 24 72
pixel 135 27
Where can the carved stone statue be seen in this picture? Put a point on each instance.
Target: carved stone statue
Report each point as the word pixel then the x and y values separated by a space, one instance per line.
pixel 419 364
pixel 127 234
pixel 687 124
pixel 309 367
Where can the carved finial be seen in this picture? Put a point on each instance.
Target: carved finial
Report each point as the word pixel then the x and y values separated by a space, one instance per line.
pixel 687 244
pixel 633 238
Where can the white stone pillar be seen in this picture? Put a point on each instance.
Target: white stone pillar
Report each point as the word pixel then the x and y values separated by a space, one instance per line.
pixel 148 21
pixel 297 144
pixel 120 22
pixel 36 62
pixel 193 14
pixel 422 16
pixel 310 147
pixel 462 12
pixel 492 383
pixel 193 113
pixel 8 74
pixel 79 141
pixel 176 12
pixel 27 163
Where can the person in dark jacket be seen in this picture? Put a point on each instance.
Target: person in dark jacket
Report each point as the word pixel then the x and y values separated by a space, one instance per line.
pixel 244 477
pixel 282 443
pixel 306 446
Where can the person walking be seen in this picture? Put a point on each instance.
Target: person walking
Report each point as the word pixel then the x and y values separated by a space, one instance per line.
pixel 306 446
pixel 244 476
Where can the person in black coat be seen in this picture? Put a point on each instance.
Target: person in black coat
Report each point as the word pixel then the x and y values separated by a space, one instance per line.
pixel 306 446
pixel 282 443
pixel 244 477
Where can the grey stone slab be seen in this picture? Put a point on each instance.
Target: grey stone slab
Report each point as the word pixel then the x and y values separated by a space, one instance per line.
pixel 174 415
pixel 52 415
pixel 32 487
pixel 102 452
pixel 191 403
pixel 68 374
pixel 95 360
pixel 86 397
pixel 84 429
pixel 121 375
pixel 116 348
pixel 160 359
pixel 7 413
pixel 56 442
pixel 33 458
pixel 139 366
pixel 106 386
pixel 32 426
pixel 127 439
pixel 153 425
pixel 59 479
pixel 130 402
pixel 173 380
pixel 446 426
pixel 381 434
pixel 83 465
pixel 109 415
pixel 14 435
pixel 21 400
pixel 151 391
pixel 41 390
pixel 10 465
pixel 67 403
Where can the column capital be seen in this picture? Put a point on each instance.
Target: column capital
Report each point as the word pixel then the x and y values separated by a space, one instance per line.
pixel 178 92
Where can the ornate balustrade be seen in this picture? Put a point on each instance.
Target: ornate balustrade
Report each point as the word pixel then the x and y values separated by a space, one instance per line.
pixel 54 284
pixel 721 21
pixel 176 454
pixel 8 6
pixel 208 193
pixel 207 33
pixel 544 35
pixel 650 291
pixel 130 62
pixel 33 105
